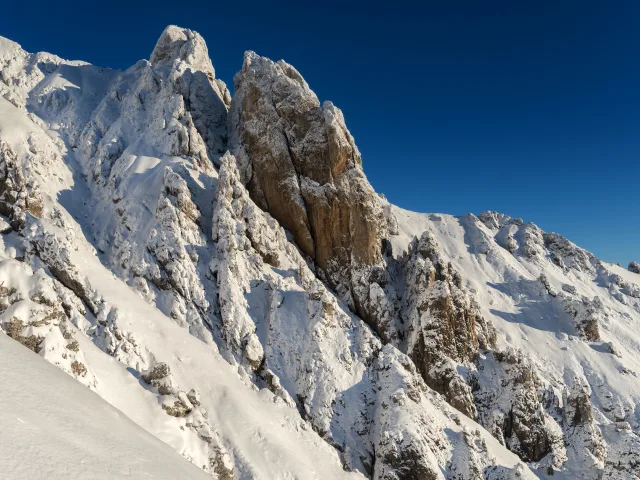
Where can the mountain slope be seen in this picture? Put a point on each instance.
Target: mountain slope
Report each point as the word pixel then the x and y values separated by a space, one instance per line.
pixel 55 428
pixel 268 315
pixel 540 291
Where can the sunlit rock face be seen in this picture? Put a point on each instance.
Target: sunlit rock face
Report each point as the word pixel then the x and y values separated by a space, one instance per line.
pixel 300 164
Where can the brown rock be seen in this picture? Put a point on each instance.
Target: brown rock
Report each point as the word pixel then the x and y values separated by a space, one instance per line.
pixel 14 327
pixel 300 164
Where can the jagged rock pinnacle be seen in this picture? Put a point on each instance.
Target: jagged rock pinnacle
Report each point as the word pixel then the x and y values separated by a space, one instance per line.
pixel 301 165
pixel 178 43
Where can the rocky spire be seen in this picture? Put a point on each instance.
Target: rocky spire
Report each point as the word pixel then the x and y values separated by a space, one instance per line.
pixel 300 164
pixel 185 45
pixel 184 54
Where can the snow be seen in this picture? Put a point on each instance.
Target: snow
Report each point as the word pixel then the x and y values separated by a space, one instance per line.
pixel 53 427
pixel 627 275
pixel 260 435
pixel 267 436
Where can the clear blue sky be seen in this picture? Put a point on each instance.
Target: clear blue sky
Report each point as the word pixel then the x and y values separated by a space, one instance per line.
pixel 528 108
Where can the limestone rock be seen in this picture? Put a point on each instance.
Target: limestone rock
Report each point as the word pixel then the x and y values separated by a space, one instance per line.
pixel 18 195
pixel 363 323
pixel 583 436
pixel 442 325
pixel 300 164
pixel 182 44
pixel 509 406
pixel 35 311
pixel 290 331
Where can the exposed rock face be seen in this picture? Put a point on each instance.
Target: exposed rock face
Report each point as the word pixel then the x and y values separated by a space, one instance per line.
pixel 634 267
pixel 443 326
pixel 300 164
pixel 506 394
pixel 365 398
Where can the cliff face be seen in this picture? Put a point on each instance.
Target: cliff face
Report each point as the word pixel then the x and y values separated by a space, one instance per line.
pixel 227 261
pixel 300 164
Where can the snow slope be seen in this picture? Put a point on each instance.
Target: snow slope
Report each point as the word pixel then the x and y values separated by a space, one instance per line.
pixel 251 432
pixel 53 427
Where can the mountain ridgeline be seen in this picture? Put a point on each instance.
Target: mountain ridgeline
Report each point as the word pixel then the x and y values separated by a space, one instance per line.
pixel 220 270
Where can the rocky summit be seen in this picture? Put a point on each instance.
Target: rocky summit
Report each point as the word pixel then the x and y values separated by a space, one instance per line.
pixel 219 269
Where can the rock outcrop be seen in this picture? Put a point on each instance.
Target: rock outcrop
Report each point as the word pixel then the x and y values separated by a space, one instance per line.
pixel 583 436
pixel 634 267
pixel 365 398
pixel 40 313
pixel 18 195
pixel 514 235
pixel 442 325
pixel 300 164
pixel 506 393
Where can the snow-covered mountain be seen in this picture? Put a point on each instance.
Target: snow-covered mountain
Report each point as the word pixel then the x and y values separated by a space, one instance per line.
pixel 221 272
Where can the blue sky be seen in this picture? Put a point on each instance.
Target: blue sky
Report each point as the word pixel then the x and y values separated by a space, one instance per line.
pixel 528 108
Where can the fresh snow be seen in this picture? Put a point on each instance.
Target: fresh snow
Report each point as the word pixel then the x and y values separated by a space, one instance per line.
pixel 55 428
pixel 507 288
pixel 264 437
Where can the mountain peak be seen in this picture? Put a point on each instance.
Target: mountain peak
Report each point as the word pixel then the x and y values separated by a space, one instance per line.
pixel 183 44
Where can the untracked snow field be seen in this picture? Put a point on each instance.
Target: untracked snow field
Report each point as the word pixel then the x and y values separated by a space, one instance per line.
pixel 55 428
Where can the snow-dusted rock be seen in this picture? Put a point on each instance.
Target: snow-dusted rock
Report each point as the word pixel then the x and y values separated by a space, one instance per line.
pixel 37 312
pixel 442 324
pixel 510 398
